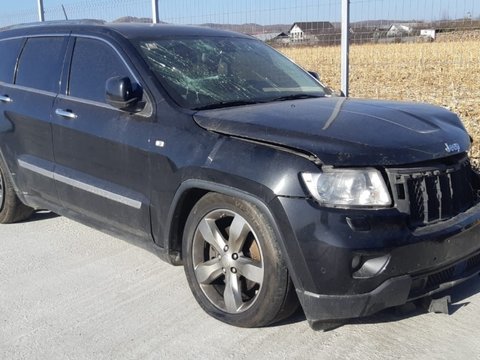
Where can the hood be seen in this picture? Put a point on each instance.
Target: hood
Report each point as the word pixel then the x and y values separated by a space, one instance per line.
pixel 346 132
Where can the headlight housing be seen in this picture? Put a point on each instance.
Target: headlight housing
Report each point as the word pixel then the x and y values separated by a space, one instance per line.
pixel 348 188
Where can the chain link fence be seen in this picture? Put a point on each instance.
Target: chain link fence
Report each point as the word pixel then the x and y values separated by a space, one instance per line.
pixel 414 50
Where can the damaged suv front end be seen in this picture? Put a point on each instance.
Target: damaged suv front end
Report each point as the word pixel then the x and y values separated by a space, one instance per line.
pixel 375 202
pixel 391 208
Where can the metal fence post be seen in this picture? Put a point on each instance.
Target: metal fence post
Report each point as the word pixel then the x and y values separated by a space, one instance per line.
pixel 155 16
pixel 41 12
pixel 345 45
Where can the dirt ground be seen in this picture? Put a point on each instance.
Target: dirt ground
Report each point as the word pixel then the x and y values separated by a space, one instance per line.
pixel 70 292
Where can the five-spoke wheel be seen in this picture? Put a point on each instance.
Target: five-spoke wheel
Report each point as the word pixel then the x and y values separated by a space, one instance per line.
pixel 227 260
pixel 233 263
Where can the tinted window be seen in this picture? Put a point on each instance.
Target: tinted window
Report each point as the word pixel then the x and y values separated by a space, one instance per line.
pixel 8 58
pixel 93 63
pixel 40 64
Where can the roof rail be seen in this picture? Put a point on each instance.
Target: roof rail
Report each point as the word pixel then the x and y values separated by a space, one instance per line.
pixel 56 22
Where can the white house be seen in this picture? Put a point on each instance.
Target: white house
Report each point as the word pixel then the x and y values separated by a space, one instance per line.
pixel 431 33
pixel 308 31
pixel 402 29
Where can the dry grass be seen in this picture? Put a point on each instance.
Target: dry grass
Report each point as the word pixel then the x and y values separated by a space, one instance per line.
pixel 445 73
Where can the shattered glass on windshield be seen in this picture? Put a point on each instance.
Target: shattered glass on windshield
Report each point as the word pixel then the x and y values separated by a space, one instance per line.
pixel 219 72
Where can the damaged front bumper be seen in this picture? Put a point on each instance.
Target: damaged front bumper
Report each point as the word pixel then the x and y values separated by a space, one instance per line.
pixel 353 271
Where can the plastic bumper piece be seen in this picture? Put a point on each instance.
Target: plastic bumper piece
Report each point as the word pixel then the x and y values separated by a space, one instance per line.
pixel 393 292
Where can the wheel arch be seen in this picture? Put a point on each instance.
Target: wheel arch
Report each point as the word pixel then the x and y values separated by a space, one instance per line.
pixel 188 194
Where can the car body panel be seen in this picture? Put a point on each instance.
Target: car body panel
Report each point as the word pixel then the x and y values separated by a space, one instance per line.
pixel 403 133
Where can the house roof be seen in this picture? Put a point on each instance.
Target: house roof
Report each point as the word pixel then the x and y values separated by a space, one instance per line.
pixel 269 36
pixel 408 25
pixel 314 27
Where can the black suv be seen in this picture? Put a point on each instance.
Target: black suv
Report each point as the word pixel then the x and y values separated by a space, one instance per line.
pixel 239 165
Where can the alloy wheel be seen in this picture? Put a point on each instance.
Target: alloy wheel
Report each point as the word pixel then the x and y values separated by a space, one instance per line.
pixel 228 261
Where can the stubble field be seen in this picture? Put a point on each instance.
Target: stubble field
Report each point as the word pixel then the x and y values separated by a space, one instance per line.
pixel 445 73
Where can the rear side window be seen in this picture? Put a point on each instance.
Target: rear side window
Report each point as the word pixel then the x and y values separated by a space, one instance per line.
pixel 40 64
pixel 93 63
pixel 8 58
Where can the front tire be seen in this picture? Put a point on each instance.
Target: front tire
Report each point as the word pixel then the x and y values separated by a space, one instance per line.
pixel 234 265
pixel 11 208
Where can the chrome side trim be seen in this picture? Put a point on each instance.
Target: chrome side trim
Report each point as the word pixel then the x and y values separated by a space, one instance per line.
pixel 98 191
pixel 137 204
pixel 29 89
pixel 37 169
pixel 34 36
pixel 87 102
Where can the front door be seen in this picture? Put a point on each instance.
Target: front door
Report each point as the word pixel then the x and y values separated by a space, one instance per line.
pixel 101 153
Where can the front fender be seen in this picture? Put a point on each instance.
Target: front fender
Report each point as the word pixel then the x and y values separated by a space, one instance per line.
pixel 271 209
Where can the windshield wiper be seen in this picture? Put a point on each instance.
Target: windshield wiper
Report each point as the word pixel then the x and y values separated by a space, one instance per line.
pixel 225 104
pixel 296 97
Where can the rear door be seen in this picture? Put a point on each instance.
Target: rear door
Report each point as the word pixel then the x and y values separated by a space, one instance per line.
pixel 101 153
pixel 27 100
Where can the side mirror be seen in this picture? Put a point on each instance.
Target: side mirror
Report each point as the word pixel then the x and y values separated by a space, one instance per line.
pixel 315 75
pixel 120 93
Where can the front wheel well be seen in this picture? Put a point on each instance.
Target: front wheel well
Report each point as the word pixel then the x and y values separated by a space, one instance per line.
pixel 184 206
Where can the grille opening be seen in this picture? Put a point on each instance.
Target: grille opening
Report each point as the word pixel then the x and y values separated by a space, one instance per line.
pixel 400 191
pixel 435 193
pixel 440 278
pixel 430 282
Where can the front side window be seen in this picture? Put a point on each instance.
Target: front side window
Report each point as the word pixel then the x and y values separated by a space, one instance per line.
pixel 9 52
pixel 222 71
pixel 40 63
pixel 93 63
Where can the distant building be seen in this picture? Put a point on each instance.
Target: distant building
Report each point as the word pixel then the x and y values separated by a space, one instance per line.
pixel 401 29
pixel 430 33
pixel 310 31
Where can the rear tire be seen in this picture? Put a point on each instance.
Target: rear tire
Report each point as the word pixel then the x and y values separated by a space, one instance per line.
pixel 234 265
pixel 11 208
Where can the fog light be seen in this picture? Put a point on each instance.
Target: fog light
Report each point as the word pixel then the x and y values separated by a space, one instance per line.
pixel 372 267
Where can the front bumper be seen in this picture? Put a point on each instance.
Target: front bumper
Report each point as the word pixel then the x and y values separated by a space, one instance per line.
pixel 393 292
pixel 329 252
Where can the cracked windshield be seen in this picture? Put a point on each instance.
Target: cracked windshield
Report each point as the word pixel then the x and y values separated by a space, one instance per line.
pixel 219 72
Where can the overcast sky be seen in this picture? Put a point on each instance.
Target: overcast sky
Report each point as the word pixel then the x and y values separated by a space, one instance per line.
pixel 242 11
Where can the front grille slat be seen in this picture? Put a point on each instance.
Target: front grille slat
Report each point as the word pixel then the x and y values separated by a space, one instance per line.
pixel 434 194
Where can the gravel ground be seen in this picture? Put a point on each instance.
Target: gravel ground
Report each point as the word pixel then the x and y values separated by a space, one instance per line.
pixel 70 292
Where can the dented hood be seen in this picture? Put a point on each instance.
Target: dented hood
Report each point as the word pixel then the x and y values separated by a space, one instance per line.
pixel 346 132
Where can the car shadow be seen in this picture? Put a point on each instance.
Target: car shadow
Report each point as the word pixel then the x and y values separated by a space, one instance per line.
pixel 41 215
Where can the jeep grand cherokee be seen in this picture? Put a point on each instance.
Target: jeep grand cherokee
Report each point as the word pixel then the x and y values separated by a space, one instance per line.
pixel 239 165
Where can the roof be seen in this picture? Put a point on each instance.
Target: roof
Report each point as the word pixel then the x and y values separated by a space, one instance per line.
pixel 314 27
pixel 269 36
pixel 128 30
pixel 408 25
